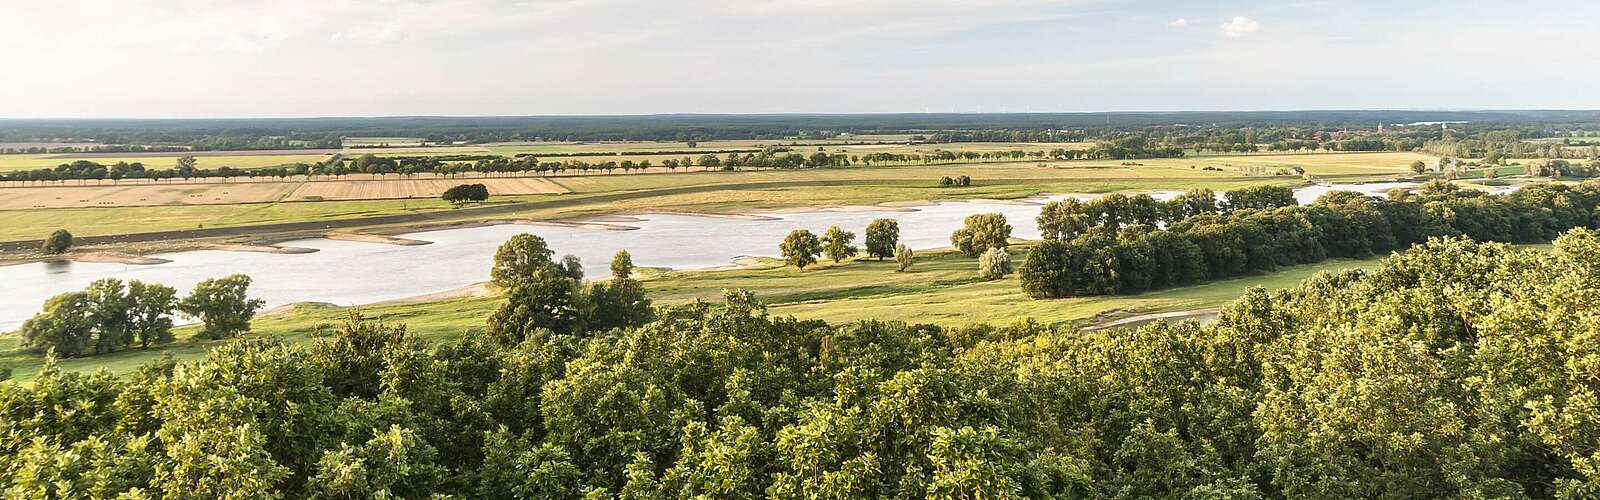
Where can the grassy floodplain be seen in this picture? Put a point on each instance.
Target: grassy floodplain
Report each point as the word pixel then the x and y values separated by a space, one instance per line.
pixel 719 191
pixel 941 288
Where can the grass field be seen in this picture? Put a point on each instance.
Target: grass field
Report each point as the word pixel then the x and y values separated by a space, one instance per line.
pixel 25 224
pixel 139 194
pixel 735 191
pixel 941 288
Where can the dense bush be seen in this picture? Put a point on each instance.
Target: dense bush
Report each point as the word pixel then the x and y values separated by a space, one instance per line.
pixel 980 232
pixel 58 242
pixel 1457 369
pixel 544 296
pixel 903 257
pixel 994 264
pixel 465 193
pixel 1112 246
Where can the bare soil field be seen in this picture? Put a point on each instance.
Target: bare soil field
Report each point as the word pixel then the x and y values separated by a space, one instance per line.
pixel 216 193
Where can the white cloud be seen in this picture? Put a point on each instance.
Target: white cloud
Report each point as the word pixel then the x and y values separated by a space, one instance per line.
pixel 1178 23
pixel 1240 26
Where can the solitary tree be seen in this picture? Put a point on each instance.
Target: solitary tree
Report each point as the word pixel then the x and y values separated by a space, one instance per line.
pixel 980 233
pixel 836 243
pixel 994 264
pixel 223 305
pixel 519 259
pixel 622 265
pixel 465 193
pixel 902 256
pixel 800 248
pixel 58 242
pixel 882 235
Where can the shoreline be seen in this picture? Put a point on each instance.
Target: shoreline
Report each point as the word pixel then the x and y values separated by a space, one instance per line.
pixel 397 234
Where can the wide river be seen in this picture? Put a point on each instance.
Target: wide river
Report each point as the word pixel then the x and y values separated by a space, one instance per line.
pixel 351 273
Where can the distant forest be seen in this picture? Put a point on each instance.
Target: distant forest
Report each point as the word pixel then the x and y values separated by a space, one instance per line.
pixel 281 133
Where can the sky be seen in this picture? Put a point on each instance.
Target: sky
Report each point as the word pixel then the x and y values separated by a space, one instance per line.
pixel 291 58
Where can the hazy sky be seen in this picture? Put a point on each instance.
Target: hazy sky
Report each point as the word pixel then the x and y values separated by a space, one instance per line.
pixel 203 58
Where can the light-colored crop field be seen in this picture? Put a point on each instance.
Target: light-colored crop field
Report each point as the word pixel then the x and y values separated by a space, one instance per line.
pixel 165 161
pixel 77 195
pixel 382 141
pixel 417 188
pixel 135 195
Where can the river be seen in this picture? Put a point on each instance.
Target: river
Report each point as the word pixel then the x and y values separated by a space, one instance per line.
pixel 351 273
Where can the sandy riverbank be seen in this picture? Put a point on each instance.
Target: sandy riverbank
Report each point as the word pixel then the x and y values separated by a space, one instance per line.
pixel 249 247
pixel 112 257
pixel 376 238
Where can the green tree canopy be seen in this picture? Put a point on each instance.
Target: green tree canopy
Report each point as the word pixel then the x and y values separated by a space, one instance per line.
pixel 836 244
pixel 882 236
pixel 800 248
pixel 223 305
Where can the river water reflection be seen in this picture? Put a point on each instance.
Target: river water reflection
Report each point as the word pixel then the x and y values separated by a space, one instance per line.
pixel 350 273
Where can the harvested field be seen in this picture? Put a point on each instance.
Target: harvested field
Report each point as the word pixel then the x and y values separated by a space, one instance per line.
pixel 136 195
pixel 139 195
pixel 416 188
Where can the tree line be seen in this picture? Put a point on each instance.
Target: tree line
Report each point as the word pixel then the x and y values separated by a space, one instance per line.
pixel 110 316
pixel 1132 244
pixel 1457 369
pixel 802 248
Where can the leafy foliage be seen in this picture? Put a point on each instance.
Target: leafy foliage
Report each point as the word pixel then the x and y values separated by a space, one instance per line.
pixel 465 193
pixel 58 241
pixel 1457 369
pixel 1108 246
pixel 994 264
pixel 981 232
pixel 223 305
pixel 836 243
pixel 800 248
pixel 547 296
pixel 882 236
pixel 106 317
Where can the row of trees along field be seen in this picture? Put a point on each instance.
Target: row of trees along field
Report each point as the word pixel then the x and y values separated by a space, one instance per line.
pixel 110 316
pixel 1499 144
pixel 452 165
pixel 1457 369
pixel 1117 244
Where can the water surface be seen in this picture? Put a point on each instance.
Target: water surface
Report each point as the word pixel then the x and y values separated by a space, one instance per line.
pixel 351 273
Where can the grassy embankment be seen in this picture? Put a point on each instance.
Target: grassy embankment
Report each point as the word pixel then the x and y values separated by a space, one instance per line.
pixel 941 288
